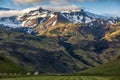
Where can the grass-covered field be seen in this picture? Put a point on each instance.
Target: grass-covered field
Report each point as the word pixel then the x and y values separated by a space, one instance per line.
pixel 110 68
pixel 65 78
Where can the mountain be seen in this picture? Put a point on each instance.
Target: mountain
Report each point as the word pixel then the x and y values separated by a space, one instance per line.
pixel 41 20
pixel 10 22
pixel 38 19
pixel 59 42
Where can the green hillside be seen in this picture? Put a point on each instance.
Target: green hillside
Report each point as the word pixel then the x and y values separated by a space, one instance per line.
pixel 110 68
pixel 7 66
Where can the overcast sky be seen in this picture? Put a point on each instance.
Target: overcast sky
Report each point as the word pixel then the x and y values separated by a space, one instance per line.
pixel 111 7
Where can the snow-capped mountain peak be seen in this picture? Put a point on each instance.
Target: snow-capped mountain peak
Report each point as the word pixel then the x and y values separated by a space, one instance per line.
pixel 42 18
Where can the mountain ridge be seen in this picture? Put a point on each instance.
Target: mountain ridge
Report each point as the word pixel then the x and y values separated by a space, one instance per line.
pixel 43 19
pixel 2 8
pixel 55 42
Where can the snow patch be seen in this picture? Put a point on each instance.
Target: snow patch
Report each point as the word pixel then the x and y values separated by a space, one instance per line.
pixel 29 30
pixel 87 19
pixel 110 21
pixel 102 22
pixel 54 23
pixel 10 23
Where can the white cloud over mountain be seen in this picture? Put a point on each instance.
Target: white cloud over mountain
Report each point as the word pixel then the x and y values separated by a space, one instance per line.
pixel 60 8
pixel 54 2
pixel 9 13
pixel 26 1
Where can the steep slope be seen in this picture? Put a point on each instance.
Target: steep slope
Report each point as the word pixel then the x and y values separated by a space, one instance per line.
pixel 110 36
pixel 110 68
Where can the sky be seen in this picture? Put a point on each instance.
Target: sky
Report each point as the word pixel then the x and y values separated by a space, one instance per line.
pixel 102 7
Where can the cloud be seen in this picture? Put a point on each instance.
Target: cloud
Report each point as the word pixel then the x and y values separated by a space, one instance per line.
pixel 115 13
pixel 80 0
pixel 53 2
pixel 51 8
pixel 25 1
pixel 10 13
pixel 59 8
pixel 59 2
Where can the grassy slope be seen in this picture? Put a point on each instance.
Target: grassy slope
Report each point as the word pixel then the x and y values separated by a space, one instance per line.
pixel 7 66
pixel 110 68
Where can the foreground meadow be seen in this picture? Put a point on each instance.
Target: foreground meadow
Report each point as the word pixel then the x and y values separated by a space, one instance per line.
pixel 65 78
